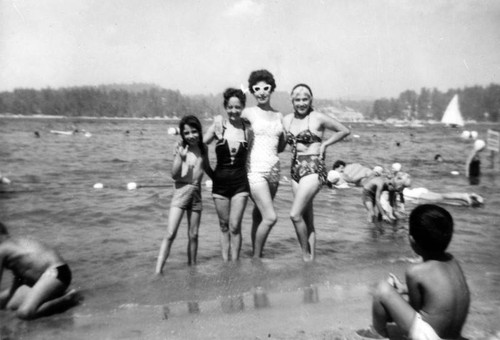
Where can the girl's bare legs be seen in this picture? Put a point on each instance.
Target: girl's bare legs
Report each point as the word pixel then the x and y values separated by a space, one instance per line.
pixel 263 194
pixel 174 219
pixel 301 213
pixel 193 227
pixel 238 204
pixel 223 206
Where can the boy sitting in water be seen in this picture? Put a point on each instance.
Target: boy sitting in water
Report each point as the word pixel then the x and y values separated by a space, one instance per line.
pixel 40 280
pixel 372 191
pixel 437 290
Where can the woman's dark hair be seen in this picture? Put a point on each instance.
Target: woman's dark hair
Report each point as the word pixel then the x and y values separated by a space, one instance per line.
pixel 261 75
pixel 338 164
pixel 431 227
pixel 232 92
pixel 193 122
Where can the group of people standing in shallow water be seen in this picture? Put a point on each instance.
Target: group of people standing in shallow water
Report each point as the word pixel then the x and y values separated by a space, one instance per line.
pixel 434 301
pixel 247 147
pixel 432 304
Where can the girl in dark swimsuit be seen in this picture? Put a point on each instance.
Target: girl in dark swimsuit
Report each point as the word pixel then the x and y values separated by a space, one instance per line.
pixel 305 128
pixel 230 188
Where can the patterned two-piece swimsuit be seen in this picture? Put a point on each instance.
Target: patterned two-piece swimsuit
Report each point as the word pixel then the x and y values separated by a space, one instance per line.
pixel 303 165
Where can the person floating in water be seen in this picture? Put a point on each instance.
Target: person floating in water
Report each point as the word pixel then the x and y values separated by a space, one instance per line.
pixel 434 302
pixel 41 278
pixel 343 174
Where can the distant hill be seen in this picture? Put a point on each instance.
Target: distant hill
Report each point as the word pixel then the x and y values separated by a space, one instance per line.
pixel 134 87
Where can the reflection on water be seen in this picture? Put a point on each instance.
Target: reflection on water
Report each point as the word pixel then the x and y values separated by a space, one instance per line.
pixel 260 299
pixel 193 307
pixel 311 294
pixel 232 304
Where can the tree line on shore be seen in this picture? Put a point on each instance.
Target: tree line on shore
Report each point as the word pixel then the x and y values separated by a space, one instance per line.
pixel 149 100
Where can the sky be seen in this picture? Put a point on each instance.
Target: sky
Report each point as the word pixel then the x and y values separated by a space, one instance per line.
pixel 341 48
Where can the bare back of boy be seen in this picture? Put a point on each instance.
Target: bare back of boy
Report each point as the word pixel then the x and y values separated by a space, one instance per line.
pixel 41 277
pixel 439 293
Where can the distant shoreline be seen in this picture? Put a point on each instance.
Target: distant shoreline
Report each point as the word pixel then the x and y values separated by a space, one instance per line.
pixel 9 115
pixel 392 122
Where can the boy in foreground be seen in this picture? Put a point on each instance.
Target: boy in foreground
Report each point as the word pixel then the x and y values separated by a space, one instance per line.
pixel 437 290
pixel 40 280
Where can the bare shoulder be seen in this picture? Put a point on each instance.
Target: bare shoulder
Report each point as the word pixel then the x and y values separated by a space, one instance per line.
pixel 247 114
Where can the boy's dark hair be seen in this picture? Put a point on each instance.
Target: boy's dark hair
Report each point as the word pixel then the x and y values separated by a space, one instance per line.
pixel 231 92
pixel 338 164
pixel 431 227
pixel 3 230
pixel 194 122
pixel 261 75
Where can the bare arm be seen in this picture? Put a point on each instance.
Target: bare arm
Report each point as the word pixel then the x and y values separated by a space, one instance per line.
pixel 378 194
pixel 206 164
pixel 180 153
pixel 329 123
pixel 414 292
pixel 209 136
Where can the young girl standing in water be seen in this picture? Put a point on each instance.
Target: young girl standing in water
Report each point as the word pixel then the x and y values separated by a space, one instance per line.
pixel 190 161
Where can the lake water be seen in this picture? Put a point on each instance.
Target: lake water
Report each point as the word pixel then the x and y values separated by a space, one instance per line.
pixel 111 237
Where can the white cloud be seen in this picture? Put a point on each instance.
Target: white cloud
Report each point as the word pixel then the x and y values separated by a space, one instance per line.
pixel 243 8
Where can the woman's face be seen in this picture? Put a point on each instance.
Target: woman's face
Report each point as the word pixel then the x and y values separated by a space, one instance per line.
pixel 234 108
pixel 262 92
pixel 301 103
pixel 191 135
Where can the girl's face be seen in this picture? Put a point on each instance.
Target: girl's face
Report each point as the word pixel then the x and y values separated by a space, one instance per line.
pixel 234 108
pixel 301 103
pixel 191 135
pixel 262 92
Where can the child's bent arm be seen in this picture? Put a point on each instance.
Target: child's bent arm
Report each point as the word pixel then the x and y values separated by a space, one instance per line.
pixel 177 164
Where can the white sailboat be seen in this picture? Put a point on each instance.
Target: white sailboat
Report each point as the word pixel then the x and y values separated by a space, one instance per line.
pixel 452 115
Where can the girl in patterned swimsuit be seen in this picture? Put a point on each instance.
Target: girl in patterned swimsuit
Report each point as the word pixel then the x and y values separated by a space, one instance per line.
pixel 263 164
pixel 305 129
pixel 230 188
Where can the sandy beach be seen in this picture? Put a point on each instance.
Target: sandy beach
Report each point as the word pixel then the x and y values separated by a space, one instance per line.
pixel 327 311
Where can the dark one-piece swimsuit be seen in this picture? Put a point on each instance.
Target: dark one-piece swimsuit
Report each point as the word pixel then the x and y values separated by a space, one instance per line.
pixel 230 174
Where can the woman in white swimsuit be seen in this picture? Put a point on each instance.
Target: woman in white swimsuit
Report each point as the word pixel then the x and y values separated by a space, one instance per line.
pixel 263 164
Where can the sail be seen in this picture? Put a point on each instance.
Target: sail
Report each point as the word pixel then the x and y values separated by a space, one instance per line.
pixel 452 115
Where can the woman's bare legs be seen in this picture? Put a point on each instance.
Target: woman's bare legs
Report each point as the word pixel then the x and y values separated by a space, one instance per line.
pixel 301 213
pixel 262 194
pixel 223 206
pixel 238 205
